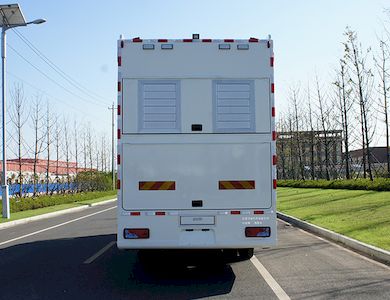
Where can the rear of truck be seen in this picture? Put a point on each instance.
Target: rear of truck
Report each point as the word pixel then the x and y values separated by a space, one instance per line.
pixel 196 144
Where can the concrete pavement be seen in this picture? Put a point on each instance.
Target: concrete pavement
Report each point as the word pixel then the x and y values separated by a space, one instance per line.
pixel 72 256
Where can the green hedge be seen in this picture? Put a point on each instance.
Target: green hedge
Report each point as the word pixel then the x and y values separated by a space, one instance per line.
pixel 21 204
pixel 379 184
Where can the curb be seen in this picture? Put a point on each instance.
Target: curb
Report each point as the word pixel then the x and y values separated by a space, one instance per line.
pixel 360 247
pixel 53 214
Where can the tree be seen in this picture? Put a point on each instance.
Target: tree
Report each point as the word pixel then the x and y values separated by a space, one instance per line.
pixel 384 90
pixel 76 149
pixel 312 134
pixel 37 119
pixel 67 150
pixel 57 145
pixel 49 127
pixel 362 82
pixel 344 104
pixel 294 95
pixel 19 119
pixel 323 119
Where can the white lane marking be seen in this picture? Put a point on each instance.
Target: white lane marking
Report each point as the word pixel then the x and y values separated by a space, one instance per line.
pixel 100 252
pixel 55 226
pixel 377 263
pixel 276 288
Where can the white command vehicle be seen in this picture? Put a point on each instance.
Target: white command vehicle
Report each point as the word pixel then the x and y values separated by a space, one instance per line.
pixel 196 144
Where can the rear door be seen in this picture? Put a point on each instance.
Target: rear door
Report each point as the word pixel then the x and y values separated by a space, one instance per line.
pixel 170 175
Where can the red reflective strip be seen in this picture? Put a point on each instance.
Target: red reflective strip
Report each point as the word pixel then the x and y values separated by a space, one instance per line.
pixel 122 44
pixel 228 40
pixel 135 213
pixel 237 185
pixel 235 212
pixel 274 135
pixel 118 184
pixel 119 110
pixel 162 40
pixel 253 40
pixel 119 134
pixel 273 111
pixel 137 40
pixel 272 61
pixel 119 86
pixel 157 185
pixel 118 159
pixel 187 40
pixel 206 40
pixel 160 213
pixel 259 212
pixel 275 183
pixel 119 61
pixel 172 187
pixel 272 88
pixel 274 159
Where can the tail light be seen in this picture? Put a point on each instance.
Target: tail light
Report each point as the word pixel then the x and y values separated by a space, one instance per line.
pixel 258 231
pixel 136 233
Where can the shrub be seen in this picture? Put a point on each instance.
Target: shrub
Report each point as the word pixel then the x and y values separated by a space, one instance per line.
pixel 21 204
pixel 379 184
pixel 94 181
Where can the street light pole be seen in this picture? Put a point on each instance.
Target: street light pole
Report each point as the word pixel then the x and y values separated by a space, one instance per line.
pixel 11 16
pixel 4 186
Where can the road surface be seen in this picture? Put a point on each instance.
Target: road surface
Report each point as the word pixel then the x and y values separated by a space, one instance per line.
pixel 74 256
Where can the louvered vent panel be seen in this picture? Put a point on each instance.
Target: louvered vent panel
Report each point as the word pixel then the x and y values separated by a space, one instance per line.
pixel 234 106
pixel 159 107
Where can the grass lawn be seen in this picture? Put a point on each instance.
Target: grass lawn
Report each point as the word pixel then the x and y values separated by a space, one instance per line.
pixel 362 215
pixel 44 210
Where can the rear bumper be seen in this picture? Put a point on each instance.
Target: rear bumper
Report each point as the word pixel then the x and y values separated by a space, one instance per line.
pixel 167 232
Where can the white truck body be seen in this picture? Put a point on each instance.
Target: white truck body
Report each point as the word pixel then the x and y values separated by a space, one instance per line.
pixel 196 144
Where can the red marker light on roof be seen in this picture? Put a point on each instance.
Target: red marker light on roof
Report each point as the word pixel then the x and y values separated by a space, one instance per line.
pixel 137 40
pixel 119 110
pixel 253 40
pixel 228 40
pixel 162 40
pixel 206 40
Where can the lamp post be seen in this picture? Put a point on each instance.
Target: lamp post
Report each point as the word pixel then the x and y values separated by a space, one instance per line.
pixel 11 16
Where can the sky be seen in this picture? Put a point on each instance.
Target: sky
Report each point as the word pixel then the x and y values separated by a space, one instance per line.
pixel 80 38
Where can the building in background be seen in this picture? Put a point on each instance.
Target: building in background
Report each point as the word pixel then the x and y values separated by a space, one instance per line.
pixel 378 159
pixel 309 154
pixel 58 170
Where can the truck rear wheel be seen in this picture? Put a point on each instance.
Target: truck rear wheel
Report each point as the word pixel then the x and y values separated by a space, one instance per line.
pixel 246 253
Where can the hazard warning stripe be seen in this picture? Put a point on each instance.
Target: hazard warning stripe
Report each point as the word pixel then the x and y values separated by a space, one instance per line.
pixel 157 185
pixel 237 185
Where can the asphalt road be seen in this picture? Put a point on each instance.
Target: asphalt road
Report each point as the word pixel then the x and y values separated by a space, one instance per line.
pixel 74 256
